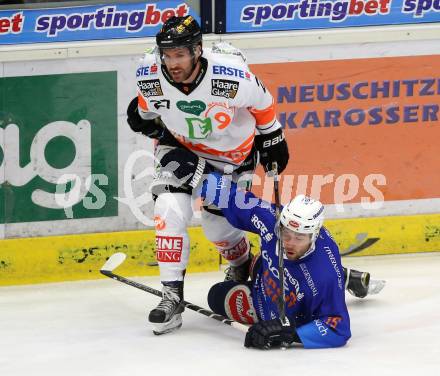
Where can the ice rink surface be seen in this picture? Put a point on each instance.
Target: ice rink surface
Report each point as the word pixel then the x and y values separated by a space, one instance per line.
pixel 100 328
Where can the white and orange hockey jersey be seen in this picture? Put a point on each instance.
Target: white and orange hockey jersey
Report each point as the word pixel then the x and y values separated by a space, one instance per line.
pixel 219 117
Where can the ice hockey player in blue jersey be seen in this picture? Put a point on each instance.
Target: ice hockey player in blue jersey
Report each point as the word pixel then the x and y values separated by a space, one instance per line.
pixel 314 278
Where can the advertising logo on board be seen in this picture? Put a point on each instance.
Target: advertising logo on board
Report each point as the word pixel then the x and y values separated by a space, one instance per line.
pixel 58 148
pixel 264 15
pixel 141 19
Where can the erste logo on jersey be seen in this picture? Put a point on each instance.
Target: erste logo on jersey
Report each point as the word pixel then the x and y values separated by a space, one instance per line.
pixel 230 71
pixel 259 225
pixel 150 88
pixel 224 88
pixel 147 71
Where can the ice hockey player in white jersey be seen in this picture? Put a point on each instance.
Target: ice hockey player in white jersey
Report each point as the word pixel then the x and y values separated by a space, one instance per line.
pixel 205 101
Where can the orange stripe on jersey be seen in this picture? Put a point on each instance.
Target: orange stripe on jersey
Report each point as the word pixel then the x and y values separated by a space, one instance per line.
pixel 142 103
pixel 236 155
pixel 265 116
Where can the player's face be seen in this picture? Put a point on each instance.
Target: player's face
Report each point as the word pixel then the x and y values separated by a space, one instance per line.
pixel 178 62
pixel 294 243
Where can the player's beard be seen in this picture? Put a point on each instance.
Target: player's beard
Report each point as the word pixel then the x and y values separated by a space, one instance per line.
pixel 295 252
pixel 180 75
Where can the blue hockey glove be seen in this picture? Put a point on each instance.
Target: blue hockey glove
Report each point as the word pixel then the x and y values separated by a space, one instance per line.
pixel 269 334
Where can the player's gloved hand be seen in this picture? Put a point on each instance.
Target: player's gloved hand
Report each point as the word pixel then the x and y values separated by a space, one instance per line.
pixel 211 190
pixel 271 333
pixel 272 148
pixel 152 128
pixel 184 166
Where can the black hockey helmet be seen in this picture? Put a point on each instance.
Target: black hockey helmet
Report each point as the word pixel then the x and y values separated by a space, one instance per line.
pixel 179 32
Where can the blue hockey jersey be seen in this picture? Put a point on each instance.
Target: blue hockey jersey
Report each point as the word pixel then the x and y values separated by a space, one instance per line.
pixel 314 284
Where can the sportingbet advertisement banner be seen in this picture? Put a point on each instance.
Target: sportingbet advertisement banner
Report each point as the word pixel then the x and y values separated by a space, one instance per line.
pixel 360 131
pixel 266 15
pixel 109 21
pixel 58 147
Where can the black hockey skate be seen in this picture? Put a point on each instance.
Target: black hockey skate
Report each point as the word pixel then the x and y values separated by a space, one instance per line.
pixel 167 317
pixel 239 273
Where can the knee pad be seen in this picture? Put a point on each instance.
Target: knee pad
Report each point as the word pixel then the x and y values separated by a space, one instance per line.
pixel 232 243
pixel 172 214
pixel 233 300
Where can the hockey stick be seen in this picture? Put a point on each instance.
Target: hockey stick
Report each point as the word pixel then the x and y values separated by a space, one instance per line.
pixel 281 303
pixel 118 258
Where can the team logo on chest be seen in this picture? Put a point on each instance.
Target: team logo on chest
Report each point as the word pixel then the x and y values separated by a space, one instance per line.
pixel 193 107
pixel 211 117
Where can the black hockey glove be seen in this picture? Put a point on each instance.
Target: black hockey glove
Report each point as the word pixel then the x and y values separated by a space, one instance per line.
pixel 269 334
pixel 152 128
pixel 181 168
pixel 272 148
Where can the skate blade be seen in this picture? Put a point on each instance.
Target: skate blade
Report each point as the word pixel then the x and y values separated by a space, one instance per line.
pixel 376 286
pixel 166 327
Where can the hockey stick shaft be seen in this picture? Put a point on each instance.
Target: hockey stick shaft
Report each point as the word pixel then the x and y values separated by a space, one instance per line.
pixel 191 306
pixel 281 303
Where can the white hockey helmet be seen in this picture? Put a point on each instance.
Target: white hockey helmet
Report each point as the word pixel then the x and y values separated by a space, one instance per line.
pixel 303 215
